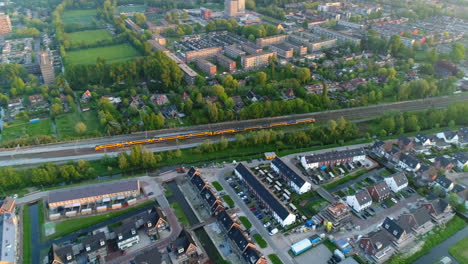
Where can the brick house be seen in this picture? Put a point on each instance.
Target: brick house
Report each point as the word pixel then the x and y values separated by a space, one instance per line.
pixel 95 247
pixel 379 191
pixel 440 211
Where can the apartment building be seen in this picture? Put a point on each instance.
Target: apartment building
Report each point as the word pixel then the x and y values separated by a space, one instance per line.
pixel 47 67
pixel 206 67
pixel 282 50
pixel 251 48
pixel 267 41
pixel 194 55
pixel 341 37
pixel 257 60
pixel 233 52
pixel 225 62
pixel 298 48
pixel 298 183
pixel 5 24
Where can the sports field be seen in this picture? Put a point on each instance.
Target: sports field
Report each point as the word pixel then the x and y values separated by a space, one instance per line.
pixel 113 53
pixel 89 36
pixel 82 16
pixel 132 8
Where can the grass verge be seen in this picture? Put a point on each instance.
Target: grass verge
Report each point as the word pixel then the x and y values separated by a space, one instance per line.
pixel 228 200
pixel 245 221
pixel 217 186
pixel 275 259
pixel 73 225
pixel 460 250
pixel 260 241
pixel 180 214
pixel 40 206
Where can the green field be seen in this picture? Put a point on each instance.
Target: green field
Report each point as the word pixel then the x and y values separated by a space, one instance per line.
pixel 459 250
pixel 83 16
pixel 73 225
pixel 26 235
pixel 179 213
pixel 89 36
pixel 131 8
pixel 23 130
pixel 66 125
pixel 114 53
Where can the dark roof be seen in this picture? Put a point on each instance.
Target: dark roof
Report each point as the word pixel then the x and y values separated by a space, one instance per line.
pixel 421 137
pixel 443 181
pixel 379 239
pixel 363 197
pixel 400 178
pixel 409 160
pixel 404 140
pixel 262 191
pixel 148 257
pixel 421 216
pixel 463 134
pixel 461 157
pixel 443 161
pixel 183 241
pixel 449 134
pixel 61 253
pixel 378 144
pixel 334 155
pixel 251 255
pixel 126 230
pixel 94 242
pixel 198 182
pixel 439 205
pixel 288 172
pixel 208 196
pixel 406 222
pixel 393 228
pixel 458 188
pixel 382 188
pixel 191 172
pixel 239 238
pixel 225 219
pixel 91 191
pixel 394 150
pixel 150 216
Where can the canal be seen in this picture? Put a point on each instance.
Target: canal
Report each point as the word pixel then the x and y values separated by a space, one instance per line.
pixel 178 197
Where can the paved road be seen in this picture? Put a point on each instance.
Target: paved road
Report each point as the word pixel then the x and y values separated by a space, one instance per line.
pixel 84 149
pixel 441 250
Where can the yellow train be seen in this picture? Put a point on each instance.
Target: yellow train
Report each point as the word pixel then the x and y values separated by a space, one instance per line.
pixel 203 134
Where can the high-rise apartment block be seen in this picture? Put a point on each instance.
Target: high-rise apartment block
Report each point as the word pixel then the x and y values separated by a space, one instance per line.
pixel 5 24
pixel 234 7
pixel 47 67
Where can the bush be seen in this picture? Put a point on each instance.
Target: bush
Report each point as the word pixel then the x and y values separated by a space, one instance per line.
pixel 217 186
pixel 260 241
pixel 245 222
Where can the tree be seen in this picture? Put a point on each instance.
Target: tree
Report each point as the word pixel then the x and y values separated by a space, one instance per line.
pixel 223 143
pixel 261 78
pixel 56 109
pixel 303 74
pixel 123 161
pixel 458 52
pixel 80 128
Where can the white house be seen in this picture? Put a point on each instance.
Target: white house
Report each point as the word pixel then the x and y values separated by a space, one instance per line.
pixel 126 236
pixel 448 136
pixel 397 182
pixel 297 183
pixel 446 184
pixel 423 140
pixel 359 201
pixel 461 159
pixel 409 163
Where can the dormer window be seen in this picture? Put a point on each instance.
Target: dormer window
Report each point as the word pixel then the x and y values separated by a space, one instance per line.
pixel 395 233
pixel 120 236
pixel 133 231
pixel 102 242
pixel 387 226
pixel 149 224
pixel 69 257
pixel 88 248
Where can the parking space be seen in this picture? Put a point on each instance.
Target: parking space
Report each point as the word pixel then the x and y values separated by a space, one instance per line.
pixel 318 255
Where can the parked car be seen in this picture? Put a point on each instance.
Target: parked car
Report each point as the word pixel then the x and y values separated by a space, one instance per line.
pixel 394 200
pixel 267 224
pixel 371 209
pixel 253 208
pixel 384 206
pixel 246 201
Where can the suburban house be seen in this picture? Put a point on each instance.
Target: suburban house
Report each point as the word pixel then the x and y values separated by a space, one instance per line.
pixel 392 154
pixel 445 183
pixel 198 182
pixel 426 173
pixel 397 234
pixel 61 255
pixel 419 221
pixel 379 191
pixel 443 163
pixel 225 220
pixel 159 99
pixel 185 248
pixel 405 143
pixel 153 221
pixel 239 238
pixel 332 158
pixel 95 247
pixel 409 163
pixel 86 96
pixel 214 204
pixel 279 212
pixel 461 159
pixel 377 245
pixel 423 140
pixel 297 183
pixel 251 96
pixel 440 210
pixel 252 256
pixel 463 136
pixel 448 136
pixel 7 206
pixel 338 214
pixel 126 235
pixel 359 201
pixel 397 181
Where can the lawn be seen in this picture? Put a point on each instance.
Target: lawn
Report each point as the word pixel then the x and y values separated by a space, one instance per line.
pixel 260 241
pixel 180 214
pixel 459 250
pixel 228 200
pixel 245 222
pixel 82 16
pixel 131 8
pixel 73 225
pixel 275 259
pixel 113 53
pixel 217 186
pixel 24 130
pixel 89 37
pixel 66 125
pixel 26 235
